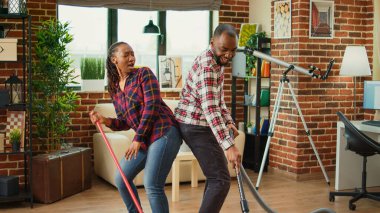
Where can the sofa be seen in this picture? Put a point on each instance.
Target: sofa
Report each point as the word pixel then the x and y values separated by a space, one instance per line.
pixel 120 140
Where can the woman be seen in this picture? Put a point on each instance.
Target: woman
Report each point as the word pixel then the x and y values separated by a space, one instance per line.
pixel 136 97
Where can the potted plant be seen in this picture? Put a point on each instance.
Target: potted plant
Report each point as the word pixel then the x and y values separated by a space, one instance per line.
pixel 53 100
pixel 251 59
pixel 249 127
pixel 92 73
pixel 15 139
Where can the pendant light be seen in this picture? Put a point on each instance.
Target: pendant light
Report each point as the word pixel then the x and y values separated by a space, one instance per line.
pixel 151 28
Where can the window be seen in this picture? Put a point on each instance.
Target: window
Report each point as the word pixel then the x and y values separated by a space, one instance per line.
pixel 187 34
pixel 130 28
pixel 89 29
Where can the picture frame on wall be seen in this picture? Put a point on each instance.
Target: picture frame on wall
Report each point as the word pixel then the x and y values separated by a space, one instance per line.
pixel 246 30
pixel 283 19
pixel 15 119
pixel 170 72
pixel 321 21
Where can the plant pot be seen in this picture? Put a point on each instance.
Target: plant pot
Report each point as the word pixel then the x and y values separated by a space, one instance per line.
pixel 15 146
pixel 93 85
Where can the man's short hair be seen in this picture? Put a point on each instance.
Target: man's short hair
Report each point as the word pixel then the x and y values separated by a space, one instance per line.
pixel 229 29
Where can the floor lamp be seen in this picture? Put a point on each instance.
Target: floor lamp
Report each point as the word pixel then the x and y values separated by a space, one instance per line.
pixel 355 63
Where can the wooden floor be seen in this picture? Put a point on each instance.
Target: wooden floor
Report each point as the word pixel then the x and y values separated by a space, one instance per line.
pixel 282 194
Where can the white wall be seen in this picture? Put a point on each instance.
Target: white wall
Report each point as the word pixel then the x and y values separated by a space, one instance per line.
pixel 376 47
pixel 260 12
pixel 376 40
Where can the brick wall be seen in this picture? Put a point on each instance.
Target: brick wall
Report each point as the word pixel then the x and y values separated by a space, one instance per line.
pixel 232 11
pixel 319 100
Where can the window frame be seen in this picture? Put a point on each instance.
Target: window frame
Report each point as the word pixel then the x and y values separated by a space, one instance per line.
pixel 112 34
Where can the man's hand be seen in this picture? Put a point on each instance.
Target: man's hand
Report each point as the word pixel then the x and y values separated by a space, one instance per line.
pixel 236 132
pixel 132 150
pixel 234 157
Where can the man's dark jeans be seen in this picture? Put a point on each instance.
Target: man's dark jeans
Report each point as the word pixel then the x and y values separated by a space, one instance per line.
pixel 213 162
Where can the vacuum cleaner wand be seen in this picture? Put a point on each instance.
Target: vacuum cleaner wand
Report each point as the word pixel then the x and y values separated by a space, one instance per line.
pixel 254 191
pixel 135 201
pixel 243 201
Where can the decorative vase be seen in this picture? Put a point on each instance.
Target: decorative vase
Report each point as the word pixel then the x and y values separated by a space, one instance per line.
pixel 16 146
pixel 93 85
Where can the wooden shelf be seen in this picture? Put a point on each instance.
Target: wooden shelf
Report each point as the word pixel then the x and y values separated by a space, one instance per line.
pixel 8 151
pixel 255 143
pixel 25 47
pixel 22 196
pixel 248 105
pixel 14 16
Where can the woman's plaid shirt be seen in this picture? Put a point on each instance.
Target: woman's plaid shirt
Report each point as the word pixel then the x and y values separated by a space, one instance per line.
pixel 140 107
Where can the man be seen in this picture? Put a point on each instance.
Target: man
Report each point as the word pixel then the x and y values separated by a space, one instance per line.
pixel 205 120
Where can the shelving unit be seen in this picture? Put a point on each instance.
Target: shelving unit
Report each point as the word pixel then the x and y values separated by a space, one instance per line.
pixel 255 141
pixel 26 105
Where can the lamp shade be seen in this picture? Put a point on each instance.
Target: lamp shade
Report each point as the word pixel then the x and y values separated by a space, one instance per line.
pixel 355 62
pixel 151 28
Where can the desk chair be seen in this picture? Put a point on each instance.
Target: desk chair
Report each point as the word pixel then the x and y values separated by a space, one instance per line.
pixel 362 145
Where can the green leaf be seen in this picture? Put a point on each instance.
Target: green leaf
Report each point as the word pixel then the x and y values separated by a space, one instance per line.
pixel 53 101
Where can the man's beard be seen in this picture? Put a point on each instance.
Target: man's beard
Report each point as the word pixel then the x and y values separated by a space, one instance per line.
pixel 219 62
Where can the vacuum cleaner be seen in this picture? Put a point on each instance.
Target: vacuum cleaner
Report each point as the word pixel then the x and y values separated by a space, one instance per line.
pixel 243 202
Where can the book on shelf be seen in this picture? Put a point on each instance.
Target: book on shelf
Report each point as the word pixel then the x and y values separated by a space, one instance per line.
pixel 265 69
pixel 264 126
pixel 264 97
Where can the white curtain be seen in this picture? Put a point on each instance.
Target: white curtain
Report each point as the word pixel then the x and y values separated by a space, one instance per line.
pixel 158 5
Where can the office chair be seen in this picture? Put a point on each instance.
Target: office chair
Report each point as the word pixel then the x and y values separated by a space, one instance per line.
pixel 362 145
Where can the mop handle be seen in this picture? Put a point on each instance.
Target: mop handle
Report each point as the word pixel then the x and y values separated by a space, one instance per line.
pixel 135 201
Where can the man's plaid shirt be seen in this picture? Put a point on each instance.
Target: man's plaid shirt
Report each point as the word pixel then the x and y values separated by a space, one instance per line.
pixel 202 99
pixel 140 107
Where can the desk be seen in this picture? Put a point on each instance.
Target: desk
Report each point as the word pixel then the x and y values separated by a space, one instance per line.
pixel 348 171
pixel 183 156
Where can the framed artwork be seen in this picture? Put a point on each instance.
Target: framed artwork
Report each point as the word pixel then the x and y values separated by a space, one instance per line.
pixel 170 72
pixel 321 21
pixel 246 30
pixel 15 119
pixel 282 19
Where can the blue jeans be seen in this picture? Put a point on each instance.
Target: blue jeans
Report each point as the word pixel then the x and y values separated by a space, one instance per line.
pixel 156 163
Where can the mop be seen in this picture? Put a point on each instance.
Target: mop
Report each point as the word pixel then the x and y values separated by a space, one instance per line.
pixel 135 201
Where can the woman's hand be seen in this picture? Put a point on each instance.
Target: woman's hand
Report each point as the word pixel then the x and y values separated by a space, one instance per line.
pixel 96 117
pixel 132 150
